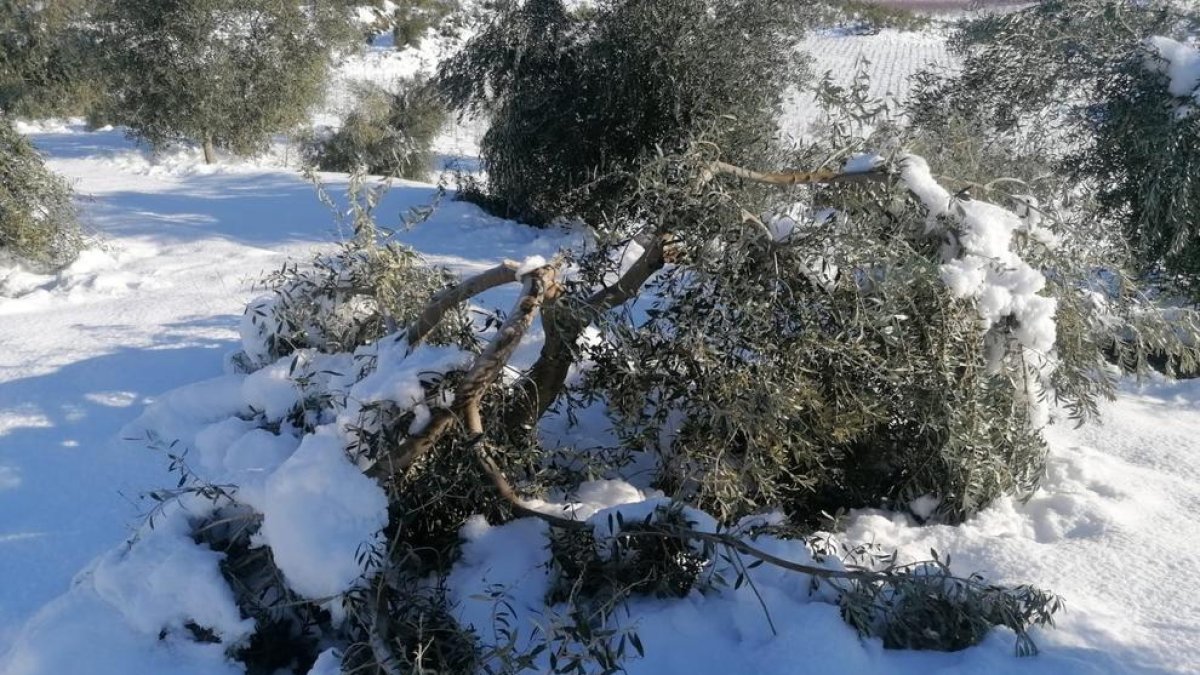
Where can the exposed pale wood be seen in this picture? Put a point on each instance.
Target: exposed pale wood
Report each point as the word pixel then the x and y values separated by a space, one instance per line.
pixel 785 178
pixel 564 324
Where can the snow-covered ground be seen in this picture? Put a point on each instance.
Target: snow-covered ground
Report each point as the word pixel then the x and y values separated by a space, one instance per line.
pixel 156 306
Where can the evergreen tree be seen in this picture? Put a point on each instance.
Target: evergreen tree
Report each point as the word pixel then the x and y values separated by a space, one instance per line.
pixel 411 19
pixel 45 58
pixel 387 133
pixel 575 95
pixel 224 73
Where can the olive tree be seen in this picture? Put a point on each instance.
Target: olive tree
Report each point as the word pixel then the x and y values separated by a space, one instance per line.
pixel 889 326
pixel 39 225
pixel 387 133
pixel 221 73
pixel 578 98
pixel 46 58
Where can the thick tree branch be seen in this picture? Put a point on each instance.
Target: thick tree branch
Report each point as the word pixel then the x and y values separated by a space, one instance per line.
pixel 564 324
pixel 664 530
pixel 818 177
pixel 483 372
pixel 504 273
pixel 627 287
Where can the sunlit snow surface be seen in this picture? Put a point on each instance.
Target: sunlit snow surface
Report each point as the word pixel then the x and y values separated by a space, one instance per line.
pixel 156 305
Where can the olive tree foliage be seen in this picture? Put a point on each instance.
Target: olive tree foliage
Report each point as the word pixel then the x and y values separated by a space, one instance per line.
pixel 1081 89
pixel 1146 161
pixel 39 226
pixel 869 332
pixel 387 133
pixel 221 73
pixel 578 99
pixel 47 58
pixel 411 20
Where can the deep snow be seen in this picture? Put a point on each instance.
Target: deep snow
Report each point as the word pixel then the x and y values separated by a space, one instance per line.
pixel 157 305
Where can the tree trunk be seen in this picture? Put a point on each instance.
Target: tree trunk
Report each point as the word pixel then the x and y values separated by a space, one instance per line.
pixel 210 155
pixel 564 325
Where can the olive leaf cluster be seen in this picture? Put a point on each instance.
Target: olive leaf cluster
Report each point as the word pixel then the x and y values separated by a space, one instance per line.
pixel 39 224
pixel 822 367
pixel 387 133
pixel 1078 87
pixel 47 64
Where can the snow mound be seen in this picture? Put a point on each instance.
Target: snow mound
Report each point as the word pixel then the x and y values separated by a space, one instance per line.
pixel 1179 62
pixel 132 602
pixel 982 262
pixel 319 512
pixel 162 581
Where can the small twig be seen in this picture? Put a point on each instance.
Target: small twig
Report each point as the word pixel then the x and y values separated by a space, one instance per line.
pixel 377 639
pixel 745 574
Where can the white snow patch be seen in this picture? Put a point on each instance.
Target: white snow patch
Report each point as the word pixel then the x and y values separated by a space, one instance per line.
pixel 319 512
pixel 1181 65
pixel 81 633
pixel 398 376
pixel 163 580
pixel 530 264
pixel 981 264
pixel 507 563
pixel 329 662
pixel 271 390
pixel 863 162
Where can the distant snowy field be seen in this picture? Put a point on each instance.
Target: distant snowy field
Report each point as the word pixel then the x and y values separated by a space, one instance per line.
pixel 156 305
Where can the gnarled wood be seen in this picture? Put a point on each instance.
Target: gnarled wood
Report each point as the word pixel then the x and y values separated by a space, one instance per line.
pixel 563 325
pixel 483 372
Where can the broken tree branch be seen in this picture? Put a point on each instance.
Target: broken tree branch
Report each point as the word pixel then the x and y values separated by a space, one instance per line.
pixel 785 178
pixel 504 273
pixel 483 372
pixel 564 324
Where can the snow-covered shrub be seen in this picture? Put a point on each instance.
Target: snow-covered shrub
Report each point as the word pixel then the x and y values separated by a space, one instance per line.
pixel 578 99
pixel 359 470
pixel 386 133
pixel 411 20
pixel 220 73
pixel 340 301
pixel 39 225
